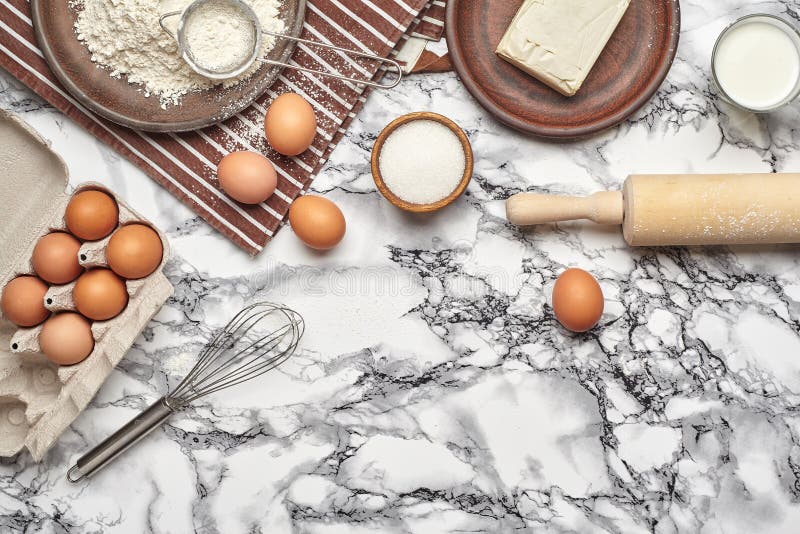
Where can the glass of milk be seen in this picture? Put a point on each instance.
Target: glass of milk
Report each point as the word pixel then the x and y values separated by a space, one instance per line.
pixel 756 63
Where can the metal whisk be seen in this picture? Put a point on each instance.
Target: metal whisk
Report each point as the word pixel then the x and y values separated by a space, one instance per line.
pixel 259 338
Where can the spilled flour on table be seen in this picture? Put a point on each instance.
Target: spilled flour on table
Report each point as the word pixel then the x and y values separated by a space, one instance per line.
pixel 124 36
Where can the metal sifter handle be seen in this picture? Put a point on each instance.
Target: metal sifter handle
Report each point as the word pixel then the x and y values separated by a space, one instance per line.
pixel 118 442
pixel 396 67
pixel 164 17
pixel 389 65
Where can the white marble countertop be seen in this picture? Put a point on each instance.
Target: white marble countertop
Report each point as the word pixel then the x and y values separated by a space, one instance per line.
pixel 435 392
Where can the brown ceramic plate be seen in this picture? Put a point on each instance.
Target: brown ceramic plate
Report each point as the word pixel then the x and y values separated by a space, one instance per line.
pixel 629 71
pixel 123 103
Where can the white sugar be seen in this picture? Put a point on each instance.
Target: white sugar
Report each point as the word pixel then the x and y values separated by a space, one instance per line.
pixel 422 161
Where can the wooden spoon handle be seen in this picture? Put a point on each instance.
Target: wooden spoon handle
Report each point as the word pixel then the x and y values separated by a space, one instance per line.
pixel 527 209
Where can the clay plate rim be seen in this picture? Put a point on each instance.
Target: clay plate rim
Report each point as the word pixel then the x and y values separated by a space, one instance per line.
pixel 439 204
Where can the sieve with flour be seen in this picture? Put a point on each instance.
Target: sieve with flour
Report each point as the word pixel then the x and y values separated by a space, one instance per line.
pixel 246 53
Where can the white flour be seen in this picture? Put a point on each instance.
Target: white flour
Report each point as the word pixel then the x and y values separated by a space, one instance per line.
pixel 220 37
pixel 124 36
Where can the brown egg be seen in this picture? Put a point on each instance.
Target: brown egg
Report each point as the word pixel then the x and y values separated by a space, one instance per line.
pixel 134 251
pixel 290 124
pixel 247 177
pixel 317 221
pixel 23 301
pixel 66 338
pixel 100 294
pixel 577 300
pixel 91 215
pixel 55 258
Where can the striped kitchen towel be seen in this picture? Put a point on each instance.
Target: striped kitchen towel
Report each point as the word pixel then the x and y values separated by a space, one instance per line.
pixel 185 163
pixel 430 23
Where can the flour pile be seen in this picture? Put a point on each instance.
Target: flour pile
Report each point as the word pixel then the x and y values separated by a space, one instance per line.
pixel 125 37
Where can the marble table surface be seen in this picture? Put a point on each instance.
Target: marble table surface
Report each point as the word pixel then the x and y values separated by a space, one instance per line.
pixel 434 392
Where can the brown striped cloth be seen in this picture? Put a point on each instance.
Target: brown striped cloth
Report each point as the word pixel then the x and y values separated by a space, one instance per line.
pixel 185 163
pixel 430 22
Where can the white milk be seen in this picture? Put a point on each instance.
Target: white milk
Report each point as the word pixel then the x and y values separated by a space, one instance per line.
pixel 757 65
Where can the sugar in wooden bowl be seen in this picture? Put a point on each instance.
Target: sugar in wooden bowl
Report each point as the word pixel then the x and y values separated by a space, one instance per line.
pixel 422 162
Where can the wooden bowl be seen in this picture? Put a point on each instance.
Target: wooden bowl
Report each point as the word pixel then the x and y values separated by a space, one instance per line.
pixel 399 202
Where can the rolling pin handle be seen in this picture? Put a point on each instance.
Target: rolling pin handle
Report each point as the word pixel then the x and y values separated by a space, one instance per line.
pixel 527 209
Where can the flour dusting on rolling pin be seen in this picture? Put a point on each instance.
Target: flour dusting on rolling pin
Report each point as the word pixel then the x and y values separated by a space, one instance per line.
pixel 673 209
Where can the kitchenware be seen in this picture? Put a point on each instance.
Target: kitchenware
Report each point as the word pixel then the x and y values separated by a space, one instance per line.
pixel 757 49
pixel 633 65
pixel 399 202
pixel 118 101
pixel 38 399
pixel 255 45
pixel 184 164
pixel 258 339
pixel 676 209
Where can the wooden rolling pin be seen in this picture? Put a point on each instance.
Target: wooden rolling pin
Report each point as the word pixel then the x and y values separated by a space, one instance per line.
pixel 675 209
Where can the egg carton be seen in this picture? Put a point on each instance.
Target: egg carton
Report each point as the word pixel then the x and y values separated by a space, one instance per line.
pixel 39 399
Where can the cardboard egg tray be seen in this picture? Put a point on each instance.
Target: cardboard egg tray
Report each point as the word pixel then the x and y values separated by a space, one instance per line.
pixel 39 399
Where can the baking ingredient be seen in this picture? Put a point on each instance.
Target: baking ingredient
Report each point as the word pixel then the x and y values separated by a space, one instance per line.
pixel 559 41
pixel 134 251
pixel 757 64
pixel 23 301
pixel 125 37
pixel 91 215
pixel 577 300
pixel 290 124
pixel 422 161
pixel 55 258
pixel 247 177
pixel 219 37
pixel 100 294
pixel 317 221
pixel 66 338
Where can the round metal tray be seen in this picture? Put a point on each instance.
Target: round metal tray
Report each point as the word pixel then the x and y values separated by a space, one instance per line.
pixel 123 103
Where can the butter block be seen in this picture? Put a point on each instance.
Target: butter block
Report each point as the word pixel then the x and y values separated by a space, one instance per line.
pixel 559 41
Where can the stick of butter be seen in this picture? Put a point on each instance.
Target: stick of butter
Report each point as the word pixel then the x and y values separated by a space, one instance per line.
pixel 558 41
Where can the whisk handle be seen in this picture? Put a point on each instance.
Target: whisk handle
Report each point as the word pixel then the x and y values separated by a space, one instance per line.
pixel 121 440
